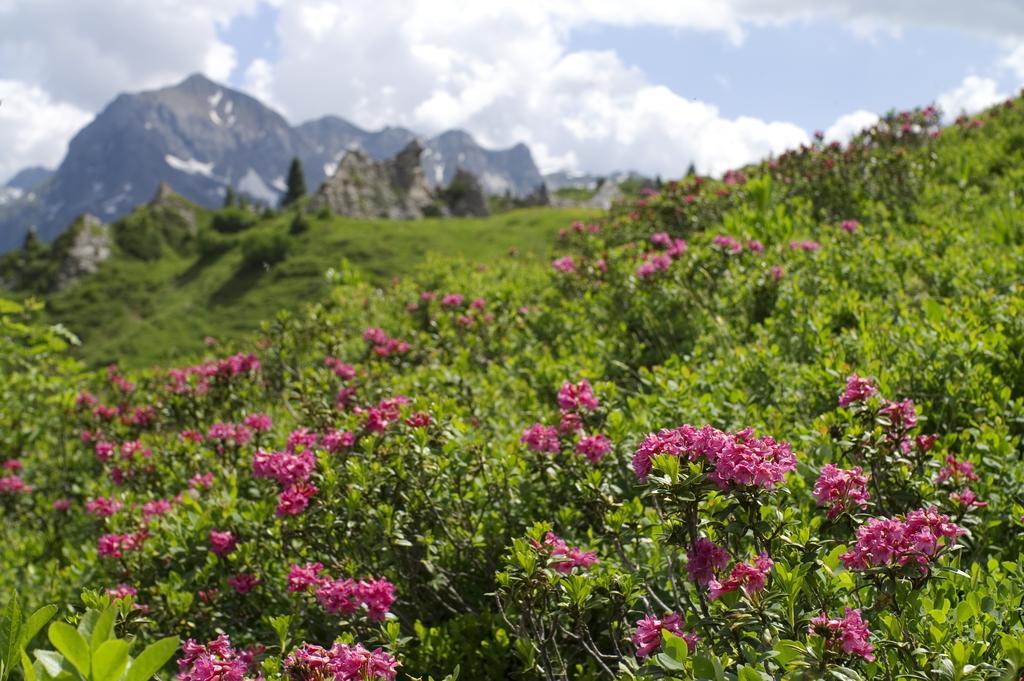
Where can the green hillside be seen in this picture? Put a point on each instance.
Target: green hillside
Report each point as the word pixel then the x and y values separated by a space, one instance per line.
pixel 759 428
pixel 165 290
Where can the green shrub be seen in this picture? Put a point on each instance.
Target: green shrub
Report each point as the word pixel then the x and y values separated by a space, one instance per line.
pixel 233 220
pixel 299 224
pixel 264 248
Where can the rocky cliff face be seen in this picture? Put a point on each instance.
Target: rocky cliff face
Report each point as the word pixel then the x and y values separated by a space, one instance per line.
pixel 364 188
pixel 87 243
pixel 201 137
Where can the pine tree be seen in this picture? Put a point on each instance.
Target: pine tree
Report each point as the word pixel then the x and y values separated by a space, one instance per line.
pixel 691 170
pixel 229 197
pixel 296 184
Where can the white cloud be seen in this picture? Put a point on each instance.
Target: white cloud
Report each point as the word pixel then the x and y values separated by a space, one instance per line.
pixel 848 125
pixel 220 61
pixel 1014 61
pixel 33 127
pixel 972 95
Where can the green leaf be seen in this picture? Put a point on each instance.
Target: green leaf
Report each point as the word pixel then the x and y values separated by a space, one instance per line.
pixel 109 660
pixel 52 662
pixel 152 659
pixel 10 636
pixel 675 647
pixel 103 628
pixel 72 645
pixel 26 667
pixel 35 622
pixel 667 662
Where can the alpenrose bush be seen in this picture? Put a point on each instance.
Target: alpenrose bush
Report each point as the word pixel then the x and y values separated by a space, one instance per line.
pixel 725 435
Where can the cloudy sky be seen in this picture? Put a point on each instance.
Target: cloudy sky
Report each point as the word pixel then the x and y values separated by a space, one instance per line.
pixel 594 85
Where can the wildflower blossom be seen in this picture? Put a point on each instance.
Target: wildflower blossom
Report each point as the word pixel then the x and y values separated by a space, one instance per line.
pixel 346 596
pixel 857 390
pixel 653 264
pixel 594 447
pixel 334 440
pixel 61 504
pixel 243 583
pixel 805 245
pixel 261 423
pixel 840 489
pixel 222 543
pixel 540 438
pixel 103 507
pixel 892 542
pixel 305 577
pixel 215 661
pixel 453 300
pixel 956 471
pixel 342 662
pixel 13 484
pixel 157 507
pixel 121 591
pixel 341 369
pixel 704 560
pixel 295 499
pixel 849 634
pixel 849 226
pixel 648 636
pixel 727 244
pixel 902 415
pixel 564 557
pixel 967 499
pixel 565 264
pixel 750 577
pixel 577 396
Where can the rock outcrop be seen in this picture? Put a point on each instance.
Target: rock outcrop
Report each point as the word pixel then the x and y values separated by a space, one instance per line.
pixel 84 246
pixel 364 188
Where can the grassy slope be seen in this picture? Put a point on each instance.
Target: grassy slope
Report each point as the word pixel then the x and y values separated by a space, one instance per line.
pixel 141 312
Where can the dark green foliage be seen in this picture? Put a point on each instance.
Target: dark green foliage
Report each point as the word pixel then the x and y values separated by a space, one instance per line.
pixel 233 220
pixel 299 224
pixel 296 184
pixel 229 196
pixel 262 249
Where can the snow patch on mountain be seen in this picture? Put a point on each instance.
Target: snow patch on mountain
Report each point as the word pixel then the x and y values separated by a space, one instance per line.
pixel 190 166
pixel 253 185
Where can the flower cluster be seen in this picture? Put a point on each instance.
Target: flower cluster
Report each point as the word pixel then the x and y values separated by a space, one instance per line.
pixel 103 507
pixel 540 438
pixel 222 543
pixel 660 261
pixel 704 559
pixel 751 577
pixel 858 389
pixel 382 344
pixel 890 542
pixel 738 458
pixel 564 557
pixel 342 662
pixel 840 489
pixel 116 545
pixel 849 634
pixel 291 470
pixel 647 638
pixel 343 596
pixel 206 373
pixel 215 661
pixel 565 265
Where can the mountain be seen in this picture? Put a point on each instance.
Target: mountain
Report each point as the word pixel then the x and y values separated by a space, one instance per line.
pixel 200 137
pixel 29 178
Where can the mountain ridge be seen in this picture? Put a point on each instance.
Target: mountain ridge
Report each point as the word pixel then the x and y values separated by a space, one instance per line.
pixel 201 137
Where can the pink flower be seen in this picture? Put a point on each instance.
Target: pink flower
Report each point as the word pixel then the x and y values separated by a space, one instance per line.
pixel 841 490
pixel 654 264
pixel 204 480
pixel 157 507
pixel 805 245
pixel 777 273
pixel 222 543
pixel 420 419
pixel 957 471
pixel 283 467
pixel 260 423
pixel 857 390
pixel 295 499
pixel 755 246
pixel 647 638
pixel 569 556
pixel 752 578
pixel 577 396
pixel 215 661
pixel 346 596
pixel 305 577
pixel 452 300
pixel 384 345
pixel 565 265
pixel 102 507
pixel 62 504
pixel 728 244
pixel 891 542
pixel 594 447
pixel 122 591
pixel 967 499
pixel 661 239
pixel 902 415
pixel 342 370
pixel 243 583
pixel 849 634
pixel 849 226
pixel 115 545
pixel 704 560
pixel 13 484
pixel 334 440
pixel 342 663
pixel 540 438
pixel 104 451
